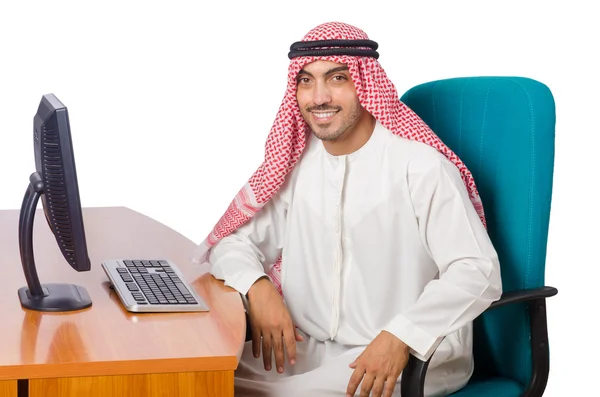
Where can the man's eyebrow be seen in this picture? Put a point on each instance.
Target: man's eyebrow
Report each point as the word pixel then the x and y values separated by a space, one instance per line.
pixel 335 70
pixel 302 71
pixel 327 73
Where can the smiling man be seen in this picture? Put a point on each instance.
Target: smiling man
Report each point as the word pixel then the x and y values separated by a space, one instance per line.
pixel 360 240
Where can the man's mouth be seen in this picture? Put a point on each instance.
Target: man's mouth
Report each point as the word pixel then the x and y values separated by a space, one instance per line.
pixel 324 116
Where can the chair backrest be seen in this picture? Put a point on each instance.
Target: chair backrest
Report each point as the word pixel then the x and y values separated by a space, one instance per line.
pixel 503 129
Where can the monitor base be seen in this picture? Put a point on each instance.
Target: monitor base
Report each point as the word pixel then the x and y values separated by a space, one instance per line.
pixel 56 298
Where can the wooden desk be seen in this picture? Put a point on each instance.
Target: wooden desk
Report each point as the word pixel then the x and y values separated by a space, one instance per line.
pixel 106 351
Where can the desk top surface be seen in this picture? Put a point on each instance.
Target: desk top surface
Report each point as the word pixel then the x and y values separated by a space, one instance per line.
pixel 106 339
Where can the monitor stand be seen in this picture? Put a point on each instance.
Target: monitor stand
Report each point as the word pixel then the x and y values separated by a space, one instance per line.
pixel 35 296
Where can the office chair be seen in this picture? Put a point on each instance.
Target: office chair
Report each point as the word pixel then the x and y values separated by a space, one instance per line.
pixel 503 129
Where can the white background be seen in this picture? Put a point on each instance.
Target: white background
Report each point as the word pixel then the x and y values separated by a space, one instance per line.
pixel 170 103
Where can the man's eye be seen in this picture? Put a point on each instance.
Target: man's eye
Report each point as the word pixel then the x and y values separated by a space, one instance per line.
pixel 339 78
pixel 303 80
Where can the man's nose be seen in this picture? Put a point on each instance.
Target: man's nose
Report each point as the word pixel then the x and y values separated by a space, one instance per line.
pixel 321 94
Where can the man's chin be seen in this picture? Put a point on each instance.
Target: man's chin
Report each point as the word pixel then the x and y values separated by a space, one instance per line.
pixel 325 136
pixel 324 133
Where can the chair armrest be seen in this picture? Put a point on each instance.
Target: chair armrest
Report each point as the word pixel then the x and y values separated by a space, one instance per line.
pixel 524 295
pixel 412 382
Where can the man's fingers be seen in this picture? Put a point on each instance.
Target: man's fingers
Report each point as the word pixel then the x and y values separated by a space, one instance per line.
pixel 355 379
pixel 354 363
pixel 377 389
pixel 388 388
pixel 266 348
pixel 367 384
pixel 256 342
pixel 290 344
pixel 277 338
pixel 299 338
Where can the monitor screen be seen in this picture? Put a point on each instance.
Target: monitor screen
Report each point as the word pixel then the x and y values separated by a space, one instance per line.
pixel 55 163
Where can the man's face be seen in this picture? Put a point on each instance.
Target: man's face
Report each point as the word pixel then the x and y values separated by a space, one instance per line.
pixel 327 99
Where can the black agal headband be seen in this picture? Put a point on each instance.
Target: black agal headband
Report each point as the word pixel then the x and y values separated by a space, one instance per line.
pixel 335 47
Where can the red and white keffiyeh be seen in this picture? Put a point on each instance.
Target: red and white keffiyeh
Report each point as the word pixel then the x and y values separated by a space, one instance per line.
pixel 287 138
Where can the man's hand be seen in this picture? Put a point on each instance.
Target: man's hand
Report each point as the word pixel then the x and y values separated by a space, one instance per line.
pixel 271 320
pixel 379 366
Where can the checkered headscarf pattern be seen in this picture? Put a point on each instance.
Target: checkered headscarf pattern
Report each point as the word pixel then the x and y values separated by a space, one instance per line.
pixel 286 140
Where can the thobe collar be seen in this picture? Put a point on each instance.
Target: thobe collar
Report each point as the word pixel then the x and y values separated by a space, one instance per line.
pixel 374 141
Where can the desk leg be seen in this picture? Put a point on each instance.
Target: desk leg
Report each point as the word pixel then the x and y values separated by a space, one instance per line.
pixel 8 388
pixel 186 384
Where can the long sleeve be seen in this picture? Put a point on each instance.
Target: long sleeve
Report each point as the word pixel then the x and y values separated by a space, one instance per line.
pixel 245 255
pixel 469 273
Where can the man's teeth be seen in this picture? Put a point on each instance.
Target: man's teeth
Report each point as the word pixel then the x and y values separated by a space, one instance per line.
pixel 323 115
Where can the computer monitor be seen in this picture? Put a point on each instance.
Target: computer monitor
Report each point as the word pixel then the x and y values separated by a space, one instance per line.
pixel 55 182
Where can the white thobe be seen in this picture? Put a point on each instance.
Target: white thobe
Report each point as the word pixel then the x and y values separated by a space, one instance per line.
pixel 384 238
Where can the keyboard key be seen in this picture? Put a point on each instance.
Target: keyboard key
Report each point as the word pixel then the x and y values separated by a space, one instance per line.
pixel 181 287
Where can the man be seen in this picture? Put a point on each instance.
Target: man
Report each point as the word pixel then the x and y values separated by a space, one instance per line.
pixel 360 240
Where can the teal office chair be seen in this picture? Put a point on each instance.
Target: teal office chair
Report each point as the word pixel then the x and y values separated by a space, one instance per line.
pixel 503 129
